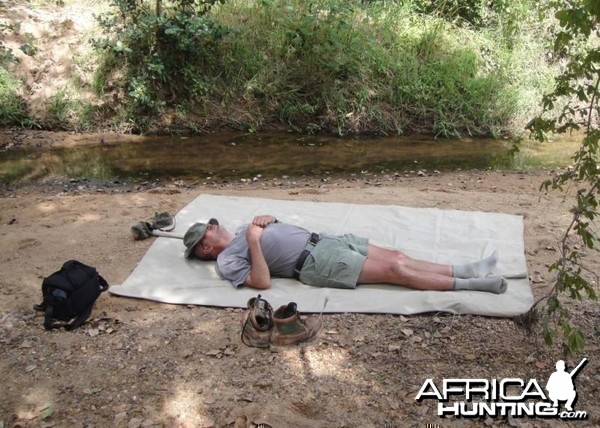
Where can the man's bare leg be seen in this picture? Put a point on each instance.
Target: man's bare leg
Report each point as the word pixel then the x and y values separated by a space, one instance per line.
pixel 478 269
pixel 386 254
pixel 384 266
pixel 378 271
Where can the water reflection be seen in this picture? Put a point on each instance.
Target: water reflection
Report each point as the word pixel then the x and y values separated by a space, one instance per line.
pixel 233 155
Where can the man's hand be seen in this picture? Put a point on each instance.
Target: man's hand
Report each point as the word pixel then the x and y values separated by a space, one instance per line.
pixel 254 232
pixel 263 220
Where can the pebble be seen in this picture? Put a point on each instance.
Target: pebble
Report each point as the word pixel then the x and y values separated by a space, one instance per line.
pixel 120 418
pixel 135 423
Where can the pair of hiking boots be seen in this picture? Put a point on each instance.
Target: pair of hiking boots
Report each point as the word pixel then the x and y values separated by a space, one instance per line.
pixel 263 328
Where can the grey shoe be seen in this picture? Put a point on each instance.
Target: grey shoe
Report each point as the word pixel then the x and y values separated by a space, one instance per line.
pixel 163 221
pixel 141 230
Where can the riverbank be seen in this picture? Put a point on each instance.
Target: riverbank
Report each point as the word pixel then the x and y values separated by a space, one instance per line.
pixel 322 66
pixel 140 363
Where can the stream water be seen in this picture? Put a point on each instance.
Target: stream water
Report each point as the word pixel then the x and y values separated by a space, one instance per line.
pixel 227 155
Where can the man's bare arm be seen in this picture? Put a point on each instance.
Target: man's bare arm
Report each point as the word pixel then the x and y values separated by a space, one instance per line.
pixel 259 277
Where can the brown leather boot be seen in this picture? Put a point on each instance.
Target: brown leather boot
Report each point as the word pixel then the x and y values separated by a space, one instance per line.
pixel 257 323
pixel 289 329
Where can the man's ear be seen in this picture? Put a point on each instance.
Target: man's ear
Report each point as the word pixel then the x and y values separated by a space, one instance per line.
pixel 209 250
pixel 206 253
pixel 201 251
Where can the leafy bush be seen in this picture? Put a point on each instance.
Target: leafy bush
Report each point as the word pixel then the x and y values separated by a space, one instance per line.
pixel 163 49
pixel 350 67
pixel 578 90
pixel 328 65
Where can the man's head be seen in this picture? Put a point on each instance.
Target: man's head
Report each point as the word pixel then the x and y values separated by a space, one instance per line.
pixel 193 240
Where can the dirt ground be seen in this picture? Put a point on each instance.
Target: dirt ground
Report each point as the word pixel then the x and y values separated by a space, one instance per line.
pixel 138 363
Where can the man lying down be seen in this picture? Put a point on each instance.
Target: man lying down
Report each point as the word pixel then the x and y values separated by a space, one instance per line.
pixel 268 248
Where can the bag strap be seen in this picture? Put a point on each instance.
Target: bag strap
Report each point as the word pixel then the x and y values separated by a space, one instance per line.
pixel 81 318
pixel 48 323
pixel 103 284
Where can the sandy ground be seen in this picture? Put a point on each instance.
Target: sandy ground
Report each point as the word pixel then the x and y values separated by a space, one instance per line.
pixel 139 363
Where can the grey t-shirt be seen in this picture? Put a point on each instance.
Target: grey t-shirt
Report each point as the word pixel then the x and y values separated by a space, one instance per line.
pixel 281 245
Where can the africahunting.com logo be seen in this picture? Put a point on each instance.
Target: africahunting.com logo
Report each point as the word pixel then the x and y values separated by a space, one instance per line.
pixel 515 397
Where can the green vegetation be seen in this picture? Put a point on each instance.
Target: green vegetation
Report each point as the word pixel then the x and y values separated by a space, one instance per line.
pixel 13 110
pixel 157 56
pixel 66 110
pixel 452 68
pixel 578 90
pixel 327 65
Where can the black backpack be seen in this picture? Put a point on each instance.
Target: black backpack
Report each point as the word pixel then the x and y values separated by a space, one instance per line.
pixel 69 295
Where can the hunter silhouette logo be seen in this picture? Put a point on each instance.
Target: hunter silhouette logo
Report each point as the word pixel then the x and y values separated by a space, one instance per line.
pixel 560 386
pixel 515 397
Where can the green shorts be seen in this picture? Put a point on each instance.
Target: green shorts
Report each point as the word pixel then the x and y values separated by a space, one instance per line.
pixel 336 261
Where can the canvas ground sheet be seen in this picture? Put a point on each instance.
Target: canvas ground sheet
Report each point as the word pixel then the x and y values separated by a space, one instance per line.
pixel 442 236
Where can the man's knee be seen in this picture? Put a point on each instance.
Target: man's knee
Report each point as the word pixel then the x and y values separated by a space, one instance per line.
pixel 401 258
pixel 397 270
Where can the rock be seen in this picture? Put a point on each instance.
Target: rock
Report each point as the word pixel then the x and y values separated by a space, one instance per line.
pixel 536 278
pixel 135 423
pixel 214 353
pixel 120 418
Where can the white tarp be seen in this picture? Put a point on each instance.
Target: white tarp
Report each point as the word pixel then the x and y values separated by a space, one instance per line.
pixel 443 236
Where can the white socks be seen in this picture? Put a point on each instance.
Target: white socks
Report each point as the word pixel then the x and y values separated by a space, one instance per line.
pixel 492 284
pixel 478 269
pixel 472 276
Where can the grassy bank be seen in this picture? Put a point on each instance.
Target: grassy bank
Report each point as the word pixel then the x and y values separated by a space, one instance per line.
pixel 333 66
pixel 13 109
pixel 379 68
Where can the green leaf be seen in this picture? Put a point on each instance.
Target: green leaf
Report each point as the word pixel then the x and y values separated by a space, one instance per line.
pixel 576 341
pixel 553 304
pixel 47 412
pixel 171 31
pixel 562 40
